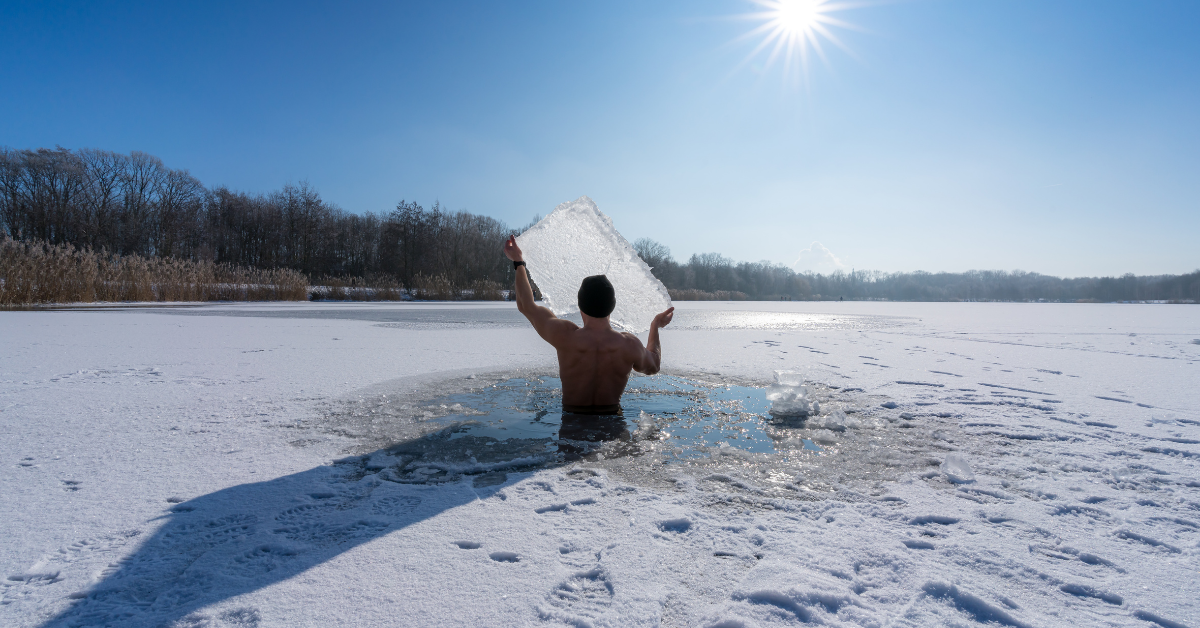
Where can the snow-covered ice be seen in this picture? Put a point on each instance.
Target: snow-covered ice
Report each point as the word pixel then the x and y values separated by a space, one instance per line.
pixel 382 465
pixel 577 240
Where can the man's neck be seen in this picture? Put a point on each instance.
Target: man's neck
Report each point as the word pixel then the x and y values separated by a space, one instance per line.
pixel 595 323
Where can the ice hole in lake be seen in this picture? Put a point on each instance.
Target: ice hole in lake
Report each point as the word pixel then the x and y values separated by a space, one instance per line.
pixel 670 414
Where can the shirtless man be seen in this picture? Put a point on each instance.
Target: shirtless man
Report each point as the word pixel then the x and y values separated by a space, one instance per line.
pixel 594 360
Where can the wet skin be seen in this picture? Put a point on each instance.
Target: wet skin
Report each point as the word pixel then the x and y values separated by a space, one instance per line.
pixel 594 361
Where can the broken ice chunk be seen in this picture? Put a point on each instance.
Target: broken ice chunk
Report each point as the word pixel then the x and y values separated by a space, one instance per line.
pixel 577 240
pixel 957 469
pixel 789 397
pixel 825 437
pixel 838 421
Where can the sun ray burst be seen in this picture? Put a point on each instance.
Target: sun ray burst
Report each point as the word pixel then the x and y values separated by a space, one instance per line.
pixel 793 31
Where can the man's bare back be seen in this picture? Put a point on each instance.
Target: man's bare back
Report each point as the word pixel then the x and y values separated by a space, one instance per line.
pixel 594 361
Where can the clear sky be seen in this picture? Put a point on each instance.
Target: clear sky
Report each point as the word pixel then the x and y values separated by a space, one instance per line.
pixel 1060 137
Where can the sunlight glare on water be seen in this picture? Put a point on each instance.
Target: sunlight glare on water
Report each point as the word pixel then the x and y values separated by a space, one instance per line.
pixel 685 415
pixel 726 319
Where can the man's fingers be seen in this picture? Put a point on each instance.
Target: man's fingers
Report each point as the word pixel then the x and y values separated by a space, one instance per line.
pixel 662 319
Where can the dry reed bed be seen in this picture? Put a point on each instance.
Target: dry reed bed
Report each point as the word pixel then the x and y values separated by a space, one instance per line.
pixel 36 272
pixel 441 288
pixel 384 288
pixel 691 294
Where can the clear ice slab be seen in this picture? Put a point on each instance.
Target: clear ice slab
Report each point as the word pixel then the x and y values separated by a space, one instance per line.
pixel 577 240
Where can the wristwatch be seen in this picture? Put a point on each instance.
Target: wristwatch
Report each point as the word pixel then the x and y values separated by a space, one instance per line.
pixel 517 265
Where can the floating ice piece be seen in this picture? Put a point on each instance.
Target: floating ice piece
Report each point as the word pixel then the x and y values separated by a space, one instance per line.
pixel 836 421
pixel 577 240
pixel 957 469
pixel 789 397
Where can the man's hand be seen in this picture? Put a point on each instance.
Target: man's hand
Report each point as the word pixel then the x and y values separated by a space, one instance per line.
pixel 511 250
pixel 651 356
pixel 662 319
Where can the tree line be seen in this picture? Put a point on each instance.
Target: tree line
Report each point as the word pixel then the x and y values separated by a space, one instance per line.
pixel 134 205
pixel 712 273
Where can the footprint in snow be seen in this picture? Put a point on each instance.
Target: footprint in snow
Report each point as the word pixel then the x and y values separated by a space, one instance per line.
pixel 97 544
pixel 242 617
pixel 580 599
pixel 49 570
pixel 586 501
pixel 677 526
pixel 322 533
pixel 206 534
pixel 236 618
pixel 301 514
pixel 936 519
pixel 574 555
pixel 395 505
pixel 260 559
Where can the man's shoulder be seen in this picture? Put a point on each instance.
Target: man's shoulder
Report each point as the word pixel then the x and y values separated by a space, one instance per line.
pixel 558 331
pixel 630 338
pixel 563 323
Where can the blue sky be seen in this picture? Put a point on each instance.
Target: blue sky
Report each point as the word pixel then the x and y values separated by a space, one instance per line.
pixel 1058 137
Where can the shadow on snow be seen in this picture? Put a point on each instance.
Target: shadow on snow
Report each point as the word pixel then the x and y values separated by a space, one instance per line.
pixel 243 538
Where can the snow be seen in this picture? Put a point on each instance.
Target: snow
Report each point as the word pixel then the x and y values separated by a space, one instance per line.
pixel 274 465
pixel 577 240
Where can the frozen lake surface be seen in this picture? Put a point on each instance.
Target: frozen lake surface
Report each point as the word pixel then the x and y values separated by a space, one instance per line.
pixel 408 464
pixel 493 315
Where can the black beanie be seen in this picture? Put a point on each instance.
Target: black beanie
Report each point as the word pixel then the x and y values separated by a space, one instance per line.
pixel 597 297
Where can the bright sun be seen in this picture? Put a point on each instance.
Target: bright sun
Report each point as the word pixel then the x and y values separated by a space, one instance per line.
pixel 797 16
pixel 791 27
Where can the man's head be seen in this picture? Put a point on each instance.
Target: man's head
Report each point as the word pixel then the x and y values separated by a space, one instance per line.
pixel 597 297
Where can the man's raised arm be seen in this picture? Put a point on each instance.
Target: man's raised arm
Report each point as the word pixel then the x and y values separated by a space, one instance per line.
pixel 651 358
pixel 547 325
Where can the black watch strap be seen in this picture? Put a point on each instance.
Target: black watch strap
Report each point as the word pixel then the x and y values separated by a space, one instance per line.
pixel 517 265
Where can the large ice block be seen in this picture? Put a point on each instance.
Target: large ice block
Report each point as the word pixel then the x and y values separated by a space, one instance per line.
pixel 577 240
